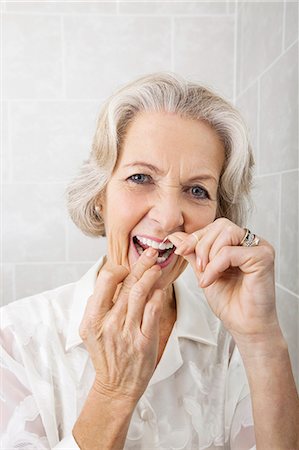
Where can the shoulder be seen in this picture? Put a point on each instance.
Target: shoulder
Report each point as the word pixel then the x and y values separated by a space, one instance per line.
pixel 48 308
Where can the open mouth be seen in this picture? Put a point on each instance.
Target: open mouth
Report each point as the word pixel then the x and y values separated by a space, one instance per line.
pixel 165 250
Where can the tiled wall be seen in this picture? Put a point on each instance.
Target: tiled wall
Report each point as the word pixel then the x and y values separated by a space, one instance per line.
pixel 60 60
pixel 267 94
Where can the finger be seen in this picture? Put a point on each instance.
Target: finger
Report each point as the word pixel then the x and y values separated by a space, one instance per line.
pixel 189 243
pixel 144 262
pixel 100 302
pixel 231 235
pixel 243 258
pixel 139 294
pixel 224 233
pixel 150 326
pixel 106 284
pixel 177 238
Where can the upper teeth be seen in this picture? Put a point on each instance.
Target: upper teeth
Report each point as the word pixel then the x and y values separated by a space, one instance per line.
pixel 154 244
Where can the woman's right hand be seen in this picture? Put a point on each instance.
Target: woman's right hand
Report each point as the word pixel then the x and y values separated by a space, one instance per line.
pixel 120 327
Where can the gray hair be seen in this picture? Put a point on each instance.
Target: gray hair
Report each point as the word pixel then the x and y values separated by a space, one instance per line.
pixel 163 92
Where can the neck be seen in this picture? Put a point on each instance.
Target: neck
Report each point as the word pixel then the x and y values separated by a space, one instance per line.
pixel 169 305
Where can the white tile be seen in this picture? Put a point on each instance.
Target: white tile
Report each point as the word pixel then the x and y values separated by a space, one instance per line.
pixel 289 229
pixel 204 51
pixel 7 288
pixel 291 22
pixel 279 114
pixel 103 53
pixel 33 223
pixel 51 139
pixel 31 56
pixel 83 248
pixel 231 6
pixel 32 279
pixel 259 39
pixel 265 216
pixel 288 314
pixel 247 103
pixel 172 7
pixel 62 7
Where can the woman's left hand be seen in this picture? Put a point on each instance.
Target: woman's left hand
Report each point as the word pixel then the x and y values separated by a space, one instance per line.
pixel 238 281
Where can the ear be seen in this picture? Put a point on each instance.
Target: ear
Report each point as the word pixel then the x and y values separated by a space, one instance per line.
pixel 98 210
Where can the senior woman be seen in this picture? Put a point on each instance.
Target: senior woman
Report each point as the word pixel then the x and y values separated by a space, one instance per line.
pixel 137 354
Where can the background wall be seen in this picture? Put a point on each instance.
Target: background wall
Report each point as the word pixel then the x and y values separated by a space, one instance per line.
pixel 61 60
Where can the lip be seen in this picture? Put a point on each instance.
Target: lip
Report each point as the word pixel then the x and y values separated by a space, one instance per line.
pixel 162 265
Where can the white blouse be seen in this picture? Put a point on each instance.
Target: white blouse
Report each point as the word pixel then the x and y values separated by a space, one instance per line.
pixel 197 398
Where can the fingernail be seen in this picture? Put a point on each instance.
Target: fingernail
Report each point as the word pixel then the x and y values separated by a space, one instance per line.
pixel 198 263
pixel 151 252
pixel 202 279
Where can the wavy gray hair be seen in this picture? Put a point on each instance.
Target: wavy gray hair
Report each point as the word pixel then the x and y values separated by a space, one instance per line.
pixel 163 92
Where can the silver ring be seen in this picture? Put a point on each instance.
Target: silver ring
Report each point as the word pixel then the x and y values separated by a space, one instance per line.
pixel 249 239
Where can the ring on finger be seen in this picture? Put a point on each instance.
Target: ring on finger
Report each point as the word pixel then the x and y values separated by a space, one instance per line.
pixel 249 239
pixel 196 237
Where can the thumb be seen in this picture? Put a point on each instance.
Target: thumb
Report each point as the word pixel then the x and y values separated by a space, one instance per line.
pixel 191 258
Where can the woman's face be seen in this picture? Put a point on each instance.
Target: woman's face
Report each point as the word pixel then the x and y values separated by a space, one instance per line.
pixel 165 181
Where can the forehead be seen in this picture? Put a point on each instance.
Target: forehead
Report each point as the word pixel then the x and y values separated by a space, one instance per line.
pixel 171 139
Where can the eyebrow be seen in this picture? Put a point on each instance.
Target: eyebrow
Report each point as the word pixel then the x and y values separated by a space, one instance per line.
pixel 159 172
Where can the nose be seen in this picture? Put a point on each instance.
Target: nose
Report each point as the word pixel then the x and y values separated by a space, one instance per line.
pixel 167 211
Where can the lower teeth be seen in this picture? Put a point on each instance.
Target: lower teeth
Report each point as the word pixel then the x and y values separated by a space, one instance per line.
pixel 160 259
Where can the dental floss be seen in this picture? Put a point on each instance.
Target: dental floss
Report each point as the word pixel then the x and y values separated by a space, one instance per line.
pixel 165 239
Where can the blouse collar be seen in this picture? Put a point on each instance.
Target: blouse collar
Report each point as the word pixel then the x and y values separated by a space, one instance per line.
pixel 195 319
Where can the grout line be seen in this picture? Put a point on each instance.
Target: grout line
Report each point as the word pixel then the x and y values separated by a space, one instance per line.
pixel 14 282
pixel 44 263
pixel 58 99
pixel 238 13
pixel 56 1
pixel 258 150
pixel 260 175
pixel 38 183
pixel 104 1
pixel 268 68
pixel 9 142
pixel 58 14
pixel 235 56
pixel 286 290
pixel 279 228
pixel 66 230
pixel 283 25
pixel 172 43
pixel 63 80
pixel 113 14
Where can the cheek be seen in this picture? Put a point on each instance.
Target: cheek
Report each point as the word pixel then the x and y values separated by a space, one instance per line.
pixel 200 218
pixel 125 211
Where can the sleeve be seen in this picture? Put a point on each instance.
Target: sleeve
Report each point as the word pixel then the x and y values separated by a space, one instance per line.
pixel 21 424
pixel 242 435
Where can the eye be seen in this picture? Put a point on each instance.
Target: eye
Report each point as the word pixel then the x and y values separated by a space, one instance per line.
pixel 199 193
pixel 140 178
